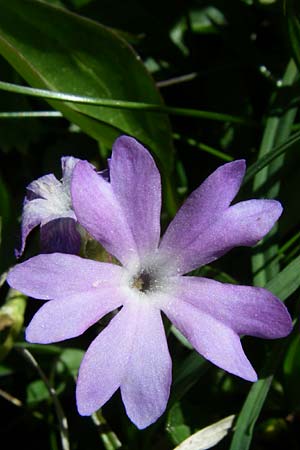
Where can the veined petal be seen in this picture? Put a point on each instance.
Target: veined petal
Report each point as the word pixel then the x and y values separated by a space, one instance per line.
pixel 242 224
pixel 146 386
pixel 135 181
pixel 246 310
pixel 70 316
pixel 55 275
pixel 105 363
pixel 60 235
pixel 98 211
pixel 213 339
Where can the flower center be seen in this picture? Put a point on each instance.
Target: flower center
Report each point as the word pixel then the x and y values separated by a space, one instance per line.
pixel 144 282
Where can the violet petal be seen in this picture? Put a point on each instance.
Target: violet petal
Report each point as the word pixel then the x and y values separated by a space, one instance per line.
pixel 99 212
pixel 105 363
pixel 60 235
pixel 38 212
pixel 135 181
pixel 247 310
pixel 205 227
pixel 71 315
pixel 213 339
pixel 145 389
pixel 55 275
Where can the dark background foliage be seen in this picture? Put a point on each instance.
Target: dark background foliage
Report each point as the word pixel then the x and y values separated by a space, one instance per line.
pixel 239 59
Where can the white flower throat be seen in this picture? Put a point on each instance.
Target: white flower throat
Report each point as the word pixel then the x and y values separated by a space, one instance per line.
pixel 151 277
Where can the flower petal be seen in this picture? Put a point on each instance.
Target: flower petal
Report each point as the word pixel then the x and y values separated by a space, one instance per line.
pixel 68 164
pixel 60 235
pixel 35 212
pixel 210 337
pixel 46 200
pixel 135 181
pixel 247 310
pixel 146 387
pixel 105 363
pixel 44 187
pixel 55 275
pixel 202 208
pixel 198 237
pixel 70 316
pixel 99 212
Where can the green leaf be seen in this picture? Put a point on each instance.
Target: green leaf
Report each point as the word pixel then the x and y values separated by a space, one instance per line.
pixel 5 370
pixel 187 375
pixel 283 285
pixel 37 392
pixel 292 13
pixel 265 160
pixel 70 359
pixel 287 281
pixel 276 132
pixel 291 370
pixel 11 320
pixel 175 425
pixel 55 49
pixel 255 400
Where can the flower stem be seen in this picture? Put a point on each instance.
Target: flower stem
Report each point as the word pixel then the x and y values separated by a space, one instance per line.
pixel 62 420
pixel 109 438
pixel 122 104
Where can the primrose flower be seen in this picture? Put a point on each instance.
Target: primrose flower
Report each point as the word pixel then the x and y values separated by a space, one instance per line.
pixel 48 204
pixel 131 353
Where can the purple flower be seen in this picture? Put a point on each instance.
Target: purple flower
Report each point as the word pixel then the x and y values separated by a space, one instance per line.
pixel 48 204
pixel 131 353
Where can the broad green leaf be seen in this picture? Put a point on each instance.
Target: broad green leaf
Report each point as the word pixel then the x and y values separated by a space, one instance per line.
pixel 208 437
pixel 54 49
